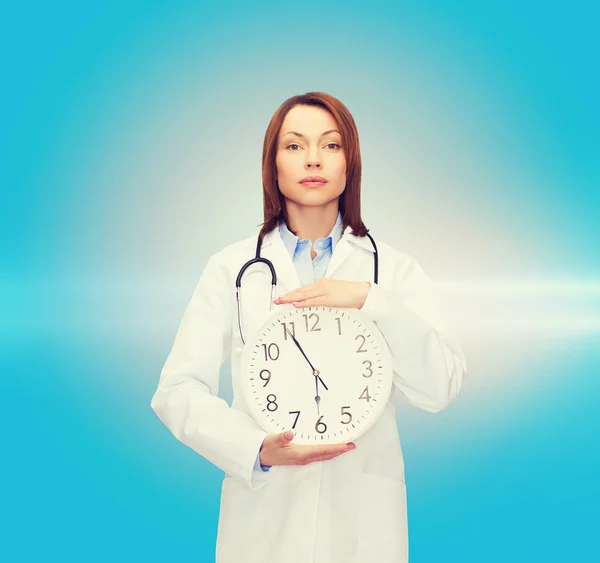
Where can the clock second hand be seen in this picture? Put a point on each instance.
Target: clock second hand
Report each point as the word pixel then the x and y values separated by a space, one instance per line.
pixel 315 372
pixel 317 398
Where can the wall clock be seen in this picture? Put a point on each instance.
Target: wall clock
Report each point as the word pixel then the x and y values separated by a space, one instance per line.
pixel 323 372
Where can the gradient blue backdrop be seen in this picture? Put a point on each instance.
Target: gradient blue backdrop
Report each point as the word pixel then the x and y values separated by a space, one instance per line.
pixel 130 144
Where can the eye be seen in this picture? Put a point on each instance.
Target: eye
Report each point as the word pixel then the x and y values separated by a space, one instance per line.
pixel 334 144
pixel 293 145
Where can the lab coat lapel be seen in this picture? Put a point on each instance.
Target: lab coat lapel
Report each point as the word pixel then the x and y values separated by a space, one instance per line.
pixel 273 248
pixel 343 249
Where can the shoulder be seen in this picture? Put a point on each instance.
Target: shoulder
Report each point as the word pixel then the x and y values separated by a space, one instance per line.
pixel 240 248
pixel 403 265
pixel 231 258
pixel 389 252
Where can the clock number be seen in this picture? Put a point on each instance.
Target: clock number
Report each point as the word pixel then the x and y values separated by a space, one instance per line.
pixel 360 348
pixel 339 320
pixel 285 332
pixel 348 414
pixel 369 368
pixel 365 394
pixel 314 327
pixel 272 402
pixel 320 424
pixel 269 354
pixel 297 413
pixel 265 379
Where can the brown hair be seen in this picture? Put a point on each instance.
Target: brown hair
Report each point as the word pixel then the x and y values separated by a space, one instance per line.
pixel 349 202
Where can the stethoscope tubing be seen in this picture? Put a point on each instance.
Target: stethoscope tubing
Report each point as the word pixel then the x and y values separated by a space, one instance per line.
pixel 258 259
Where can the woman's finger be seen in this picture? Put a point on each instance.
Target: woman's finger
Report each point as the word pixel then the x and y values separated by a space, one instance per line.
pixel 314 302
pixel 299 296
pixel 308 454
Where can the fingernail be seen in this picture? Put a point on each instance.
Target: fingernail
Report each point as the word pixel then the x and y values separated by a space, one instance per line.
pixel 351 446
pixel 288 435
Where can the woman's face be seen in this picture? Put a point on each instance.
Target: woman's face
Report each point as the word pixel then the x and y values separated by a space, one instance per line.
pixel 310 144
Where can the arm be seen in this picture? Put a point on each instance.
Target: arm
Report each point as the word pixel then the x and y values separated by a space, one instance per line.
pixel 428 361
pixel 186 400
pixel 258 466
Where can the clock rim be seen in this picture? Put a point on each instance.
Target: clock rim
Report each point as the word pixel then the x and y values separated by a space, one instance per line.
pixel 252 407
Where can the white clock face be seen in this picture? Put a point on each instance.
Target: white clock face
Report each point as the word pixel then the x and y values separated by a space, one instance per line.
pixel 323 372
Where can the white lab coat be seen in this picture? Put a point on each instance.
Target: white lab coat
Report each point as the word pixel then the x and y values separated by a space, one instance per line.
pixel 351 509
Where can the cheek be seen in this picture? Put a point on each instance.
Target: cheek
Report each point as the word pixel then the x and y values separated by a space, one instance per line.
pixel 283 166
pixel 340 170
pixel 285 177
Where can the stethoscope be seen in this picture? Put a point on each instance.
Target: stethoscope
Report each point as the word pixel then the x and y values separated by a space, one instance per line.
pixel 257 259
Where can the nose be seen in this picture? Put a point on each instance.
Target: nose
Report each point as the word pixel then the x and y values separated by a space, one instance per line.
pixel 313 159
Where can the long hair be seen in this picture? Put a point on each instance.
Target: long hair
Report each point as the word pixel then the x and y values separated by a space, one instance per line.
pixel 349 203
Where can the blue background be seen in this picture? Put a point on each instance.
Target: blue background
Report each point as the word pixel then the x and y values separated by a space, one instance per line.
pixel 130 144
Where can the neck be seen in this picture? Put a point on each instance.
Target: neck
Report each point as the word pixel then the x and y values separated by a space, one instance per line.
pixel 312 222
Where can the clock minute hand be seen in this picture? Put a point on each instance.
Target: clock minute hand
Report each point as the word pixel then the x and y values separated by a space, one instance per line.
pixel 300 348
pixel 315 372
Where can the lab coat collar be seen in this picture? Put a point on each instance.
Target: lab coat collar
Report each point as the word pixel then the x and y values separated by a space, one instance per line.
pixel 275 250
pixel 362 242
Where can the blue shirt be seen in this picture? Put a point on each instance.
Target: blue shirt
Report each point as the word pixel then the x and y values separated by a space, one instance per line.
pixel 308 270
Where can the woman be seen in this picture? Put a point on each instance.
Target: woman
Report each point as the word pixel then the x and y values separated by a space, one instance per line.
pixel 281 502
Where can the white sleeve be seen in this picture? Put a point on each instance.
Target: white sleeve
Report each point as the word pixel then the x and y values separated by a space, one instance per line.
pixel 186 400
pixel 428 361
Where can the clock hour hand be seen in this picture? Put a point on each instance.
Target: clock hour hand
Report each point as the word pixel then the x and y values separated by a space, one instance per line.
pixel 316 373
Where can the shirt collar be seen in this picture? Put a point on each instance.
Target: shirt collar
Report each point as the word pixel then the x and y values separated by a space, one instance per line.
pixel 290 240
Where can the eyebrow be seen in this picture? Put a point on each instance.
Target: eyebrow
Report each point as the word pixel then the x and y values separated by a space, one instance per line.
pixel 302 136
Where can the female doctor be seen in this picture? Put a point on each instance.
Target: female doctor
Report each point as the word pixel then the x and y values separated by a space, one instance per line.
pixel 282 502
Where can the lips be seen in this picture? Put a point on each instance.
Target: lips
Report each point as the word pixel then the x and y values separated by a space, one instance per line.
pixel 313 181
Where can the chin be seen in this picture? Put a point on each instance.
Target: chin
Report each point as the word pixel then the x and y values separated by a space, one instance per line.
pixel 313 201
pixel 313 198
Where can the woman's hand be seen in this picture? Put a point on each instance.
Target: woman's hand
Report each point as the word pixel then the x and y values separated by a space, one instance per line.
pixel 329 293
pixel 277 450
